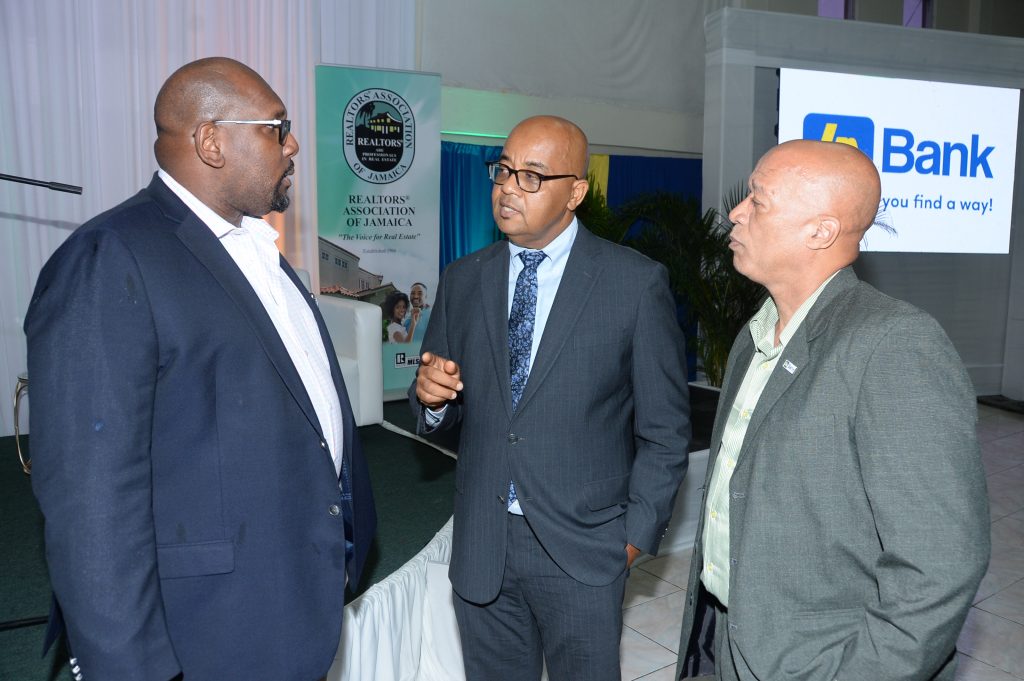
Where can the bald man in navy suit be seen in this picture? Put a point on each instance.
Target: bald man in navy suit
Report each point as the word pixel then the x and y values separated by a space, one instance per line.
pixel 194 450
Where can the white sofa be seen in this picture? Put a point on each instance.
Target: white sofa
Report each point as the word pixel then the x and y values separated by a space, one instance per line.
pixel 355 329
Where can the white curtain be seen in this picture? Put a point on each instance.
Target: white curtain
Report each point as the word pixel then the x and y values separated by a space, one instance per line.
pixel 77 84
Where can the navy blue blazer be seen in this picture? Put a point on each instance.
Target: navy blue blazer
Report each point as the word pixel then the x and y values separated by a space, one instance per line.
pixel 194 520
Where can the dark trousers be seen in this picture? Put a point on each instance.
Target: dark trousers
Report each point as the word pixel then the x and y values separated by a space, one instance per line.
pixel 541 614
pixel 709 656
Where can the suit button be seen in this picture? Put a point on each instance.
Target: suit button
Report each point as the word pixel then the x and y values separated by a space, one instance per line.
pixel 513 438
pixel 334 509
pixel 323 445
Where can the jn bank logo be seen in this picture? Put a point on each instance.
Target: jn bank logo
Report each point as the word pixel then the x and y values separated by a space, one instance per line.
pixel 857 131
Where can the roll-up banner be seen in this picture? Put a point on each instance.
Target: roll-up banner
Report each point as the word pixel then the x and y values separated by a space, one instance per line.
pixel 378 201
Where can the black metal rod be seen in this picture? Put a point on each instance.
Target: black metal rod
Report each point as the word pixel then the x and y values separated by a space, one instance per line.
pixel 56 186
pixel 21 624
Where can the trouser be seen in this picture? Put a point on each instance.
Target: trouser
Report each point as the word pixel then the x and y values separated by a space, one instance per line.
pixel 541 614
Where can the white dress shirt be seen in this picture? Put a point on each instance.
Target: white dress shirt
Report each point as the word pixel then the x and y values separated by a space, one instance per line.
pixel 251 246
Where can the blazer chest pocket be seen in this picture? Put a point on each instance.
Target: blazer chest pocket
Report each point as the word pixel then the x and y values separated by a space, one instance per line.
pixel 601 494
pixel 195 560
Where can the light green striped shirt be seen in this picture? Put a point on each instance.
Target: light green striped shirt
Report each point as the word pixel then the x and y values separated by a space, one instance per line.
pixel 715 572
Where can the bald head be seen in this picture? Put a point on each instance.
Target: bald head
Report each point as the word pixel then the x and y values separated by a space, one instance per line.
pixel 203 90
pixel 832 178
pixel 809 205
pixel 222 135
pixel 551 147
pixel 564 135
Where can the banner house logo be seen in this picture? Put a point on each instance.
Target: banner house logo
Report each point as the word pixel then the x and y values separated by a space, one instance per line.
pixel 379 135
pixel 857 131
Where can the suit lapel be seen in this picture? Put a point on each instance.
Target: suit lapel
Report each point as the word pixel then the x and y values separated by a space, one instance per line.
pixel 578 279
pixel 198 238
pixel 795 357
pixel 791 362
pixel 494 265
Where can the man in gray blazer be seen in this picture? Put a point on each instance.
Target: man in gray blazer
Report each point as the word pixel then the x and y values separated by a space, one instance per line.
pixel 845 523
pixel 559 357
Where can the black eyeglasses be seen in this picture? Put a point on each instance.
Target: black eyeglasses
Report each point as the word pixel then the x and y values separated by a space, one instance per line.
pixel 283 125
pixel 528 180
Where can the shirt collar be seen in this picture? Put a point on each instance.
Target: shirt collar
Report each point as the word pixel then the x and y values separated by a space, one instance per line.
pixel 762 325
pixel 218 225
pixel 555 251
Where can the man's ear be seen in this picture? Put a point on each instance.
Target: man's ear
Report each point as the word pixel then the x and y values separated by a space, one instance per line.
pixel 207 143
pixel 826 231
pixel 579 192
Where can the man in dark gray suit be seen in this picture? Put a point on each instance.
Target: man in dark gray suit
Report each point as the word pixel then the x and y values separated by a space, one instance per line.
pixel 845 523
pixel 558 355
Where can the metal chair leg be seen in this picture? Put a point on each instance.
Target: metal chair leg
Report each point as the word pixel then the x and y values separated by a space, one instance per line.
pixel 20 388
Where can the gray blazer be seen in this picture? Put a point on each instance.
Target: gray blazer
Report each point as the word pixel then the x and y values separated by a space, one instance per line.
pixel 859 515
pixel 597 445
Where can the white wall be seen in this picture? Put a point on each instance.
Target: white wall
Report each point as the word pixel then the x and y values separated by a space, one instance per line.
pixel 630 72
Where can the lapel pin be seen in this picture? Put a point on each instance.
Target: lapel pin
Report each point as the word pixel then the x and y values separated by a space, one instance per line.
pixel 789 366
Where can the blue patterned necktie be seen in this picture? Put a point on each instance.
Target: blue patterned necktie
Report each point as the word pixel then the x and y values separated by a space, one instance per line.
pixel 520 331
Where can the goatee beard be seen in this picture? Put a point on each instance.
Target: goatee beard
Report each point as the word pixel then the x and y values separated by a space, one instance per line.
pixel 281 200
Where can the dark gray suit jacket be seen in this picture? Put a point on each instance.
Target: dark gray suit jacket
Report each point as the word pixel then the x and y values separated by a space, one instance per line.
pixel 859 524
pixel 597 445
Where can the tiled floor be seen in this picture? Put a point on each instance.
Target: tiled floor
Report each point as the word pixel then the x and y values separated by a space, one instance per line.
pixel 991 644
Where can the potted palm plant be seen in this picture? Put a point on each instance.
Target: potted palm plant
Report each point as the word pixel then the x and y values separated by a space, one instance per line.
pixel 694 247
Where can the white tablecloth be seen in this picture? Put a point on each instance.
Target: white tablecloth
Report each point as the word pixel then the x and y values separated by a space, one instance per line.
pixel 403 628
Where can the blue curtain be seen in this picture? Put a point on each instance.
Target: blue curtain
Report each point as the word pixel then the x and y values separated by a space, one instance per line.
pixel 629 176
pixel 467 223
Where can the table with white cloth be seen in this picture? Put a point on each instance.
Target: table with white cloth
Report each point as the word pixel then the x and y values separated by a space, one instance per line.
pixel 403 628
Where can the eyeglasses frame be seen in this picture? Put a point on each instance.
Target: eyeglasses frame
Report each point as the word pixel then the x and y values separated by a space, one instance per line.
pixel 283 125
pixel 492 165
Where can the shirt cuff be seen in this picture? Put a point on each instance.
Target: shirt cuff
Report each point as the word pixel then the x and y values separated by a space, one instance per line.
pixel 431 417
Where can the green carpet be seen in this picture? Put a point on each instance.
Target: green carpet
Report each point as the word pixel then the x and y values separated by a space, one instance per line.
pixel 412 484
pixel 25 585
